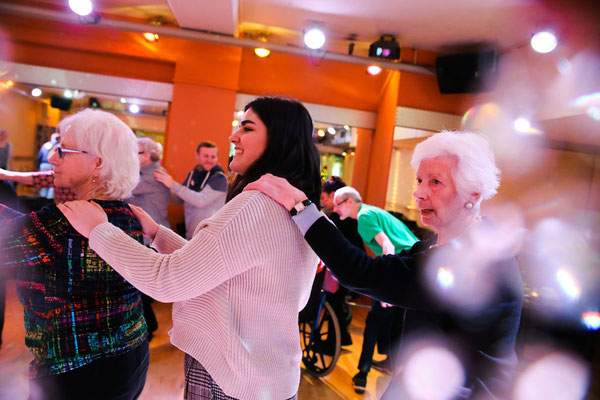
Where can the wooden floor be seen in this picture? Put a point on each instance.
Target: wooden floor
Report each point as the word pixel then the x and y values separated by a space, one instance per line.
pixel 165 375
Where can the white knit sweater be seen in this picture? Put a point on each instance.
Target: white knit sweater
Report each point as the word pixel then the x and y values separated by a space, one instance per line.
pixel 238 286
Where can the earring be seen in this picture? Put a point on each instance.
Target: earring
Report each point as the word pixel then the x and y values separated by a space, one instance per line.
pixel 468 205
pixel 94 181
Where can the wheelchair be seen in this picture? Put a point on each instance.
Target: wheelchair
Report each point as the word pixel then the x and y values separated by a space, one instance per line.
pixel 320 337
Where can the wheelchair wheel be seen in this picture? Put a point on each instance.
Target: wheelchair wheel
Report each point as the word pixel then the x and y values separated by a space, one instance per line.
pixel 321 342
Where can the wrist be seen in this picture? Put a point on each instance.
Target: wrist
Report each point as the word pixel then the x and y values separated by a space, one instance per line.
pixel 300 206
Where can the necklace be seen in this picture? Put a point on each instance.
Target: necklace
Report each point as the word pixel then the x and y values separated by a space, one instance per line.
pixel 475 220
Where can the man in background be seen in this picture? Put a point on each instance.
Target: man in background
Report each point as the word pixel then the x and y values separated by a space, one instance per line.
pixel 383 234
pixel 204 189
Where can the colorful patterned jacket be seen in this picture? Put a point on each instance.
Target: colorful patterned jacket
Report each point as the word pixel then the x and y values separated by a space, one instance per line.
pixel 77 309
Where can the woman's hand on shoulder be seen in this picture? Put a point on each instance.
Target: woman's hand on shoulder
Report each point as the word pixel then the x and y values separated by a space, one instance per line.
pixel 149 226
pixel 279 189
pixel 83 215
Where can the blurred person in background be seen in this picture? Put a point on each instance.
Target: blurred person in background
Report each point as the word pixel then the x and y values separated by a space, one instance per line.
pixel 42 163
pixel 384 234
pixel 439 279
pixel 84 323
pixel 203 191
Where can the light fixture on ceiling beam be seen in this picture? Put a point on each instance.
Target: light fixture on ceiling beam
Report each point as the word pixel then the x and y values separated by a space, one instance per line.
pixel 81 7
pixel 544 41
pixel 314 38
pixel 262 52
pixel 386 47
pixel 374 70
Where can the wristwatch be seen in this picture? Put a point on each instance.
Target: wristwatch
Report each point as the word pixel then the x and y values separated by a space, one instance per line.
pixel 300 206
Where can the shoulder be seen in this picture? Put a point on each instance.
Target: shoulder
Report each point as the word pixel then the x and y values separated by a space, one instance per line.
pixel 253 199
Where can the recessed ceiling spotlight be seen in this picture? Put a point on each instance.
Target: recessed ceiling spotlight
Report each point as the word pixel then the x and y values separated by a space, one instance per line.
pixel 347 127
pixel 150 37
pixel 544 42
pixel 123 100
pixel 374 70
pixel 36 92
pixel 134 108
pixel 321 133
pixel 344 154
pixel 262 52
pixel 314 38
pixel 68 94
pixel 331 130
pixel 81 7
pixel 235 123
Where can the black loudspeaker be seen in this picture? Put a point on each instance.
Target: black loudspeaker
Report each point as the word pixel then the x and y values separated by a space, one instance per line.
pixel 467 73
pixel 62 103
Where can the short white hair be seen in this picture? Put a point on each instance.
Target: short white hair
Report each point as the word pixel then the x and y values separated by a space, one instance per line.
pixel 102 134
pixel 149 146
pixel 348 191
pixel 476 171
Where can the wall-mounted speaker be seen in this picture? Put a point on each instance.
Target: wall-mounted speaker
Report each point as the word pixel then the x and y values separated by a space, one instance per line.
pixel 62 103
pixel 467 73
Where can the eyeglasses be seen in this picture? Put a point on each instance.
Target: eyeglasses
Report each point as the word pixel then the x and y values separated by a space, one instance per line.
pixel 342 202
pixel 62 151
pixel 141 152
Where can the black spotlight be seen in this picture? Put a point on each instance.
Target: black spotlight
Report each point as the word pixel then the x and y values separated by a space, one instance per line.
pixel 467 72
pixel 386 47
pixel 94 103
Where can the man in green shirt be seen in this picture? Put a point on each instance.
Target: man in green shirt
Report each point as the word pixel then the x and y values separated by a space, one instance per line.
pixel 384 234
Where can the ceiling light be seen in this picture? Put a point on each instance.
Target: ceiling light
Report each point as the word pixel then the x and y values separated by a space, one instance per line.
pixel 81 7
pixel 240 113
pixel 68 94
pixel 314 38
pixel 235 123
pixel 134 108
pixel 9 83
pixel 151 37
pixel 36 92
pixel 522 125
pixel 544 42
pixel 344 154
pixel 331 130
pixel 352 153
pixel 262 52
pixel 374 70
pixel 123 100
pixel 321 133
pixel 347 127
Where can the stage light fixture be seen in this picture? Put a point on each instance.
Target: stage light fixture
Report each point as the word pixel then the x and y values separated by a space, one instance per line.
pixel 262 52
pixel 81 7
pixel 314 38
pixel 544 42
pixel 68 94
pixel 94 102
pixel 134 109
pixel 331 130
pixel 123 100
pixel 36 92
pixel 386 47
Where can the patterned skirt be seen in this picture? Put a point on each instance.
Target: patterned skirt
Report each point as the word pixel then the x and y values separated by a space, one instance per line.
pixel 199 385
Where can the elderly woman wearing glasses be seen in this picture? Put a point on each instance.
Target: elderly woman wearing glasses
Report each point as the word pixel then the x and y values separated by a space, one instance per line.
pixel 462 291
pixel 84 323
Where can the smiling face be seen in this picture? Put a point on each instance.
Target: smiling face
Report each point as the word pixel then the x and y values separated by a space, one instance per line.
pixel 437 198
pixel 207 157
pixel 326 200
pixel 250 141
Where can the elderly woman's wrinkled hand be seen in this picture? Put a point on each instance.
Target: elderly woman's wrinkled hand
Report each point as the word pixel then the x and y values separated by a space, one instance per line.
pixel 149 226
pixel 83 215
pixel 163 177
pixel 279 189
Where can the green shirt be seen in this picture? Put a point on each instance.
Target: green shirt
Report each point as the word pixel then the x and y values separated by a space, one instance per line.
pixel 372 220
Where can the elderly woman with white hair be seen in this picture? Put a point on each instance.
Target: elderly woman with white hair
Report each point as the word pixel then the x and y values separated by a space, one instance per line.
pixel 464 300
pixel 84 323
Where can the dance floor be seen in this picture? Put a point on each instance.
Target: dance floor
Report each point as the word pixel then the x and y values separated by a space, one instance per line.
pixel 165 375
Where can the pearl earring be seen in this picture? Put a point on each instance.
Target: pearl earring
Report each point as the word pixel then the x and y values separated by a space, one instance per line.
pixel 94 181
pixel 468 205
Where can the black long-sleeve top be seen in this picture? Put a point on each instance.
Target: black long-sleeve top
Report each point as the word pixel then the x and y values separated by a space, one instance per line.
pixel 483 337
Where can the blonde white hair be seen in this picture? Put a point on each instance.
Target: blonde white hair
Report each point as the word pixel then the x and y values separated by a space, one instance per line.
pixel 102 134
pixel 348 191
pixel 476 171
